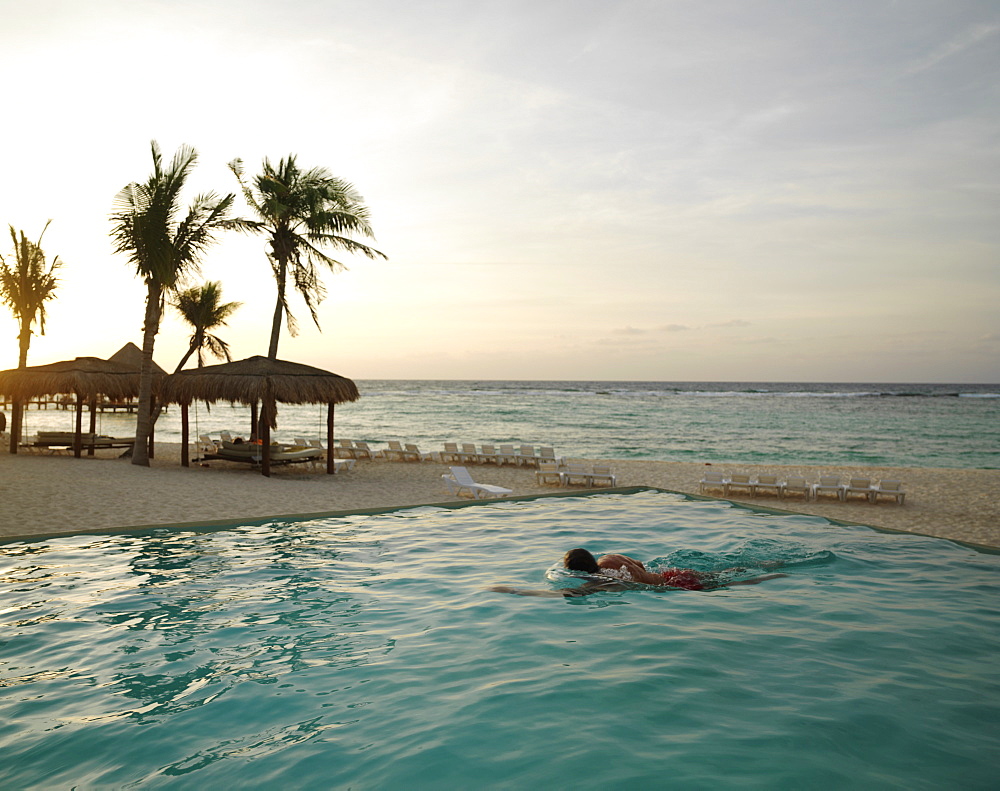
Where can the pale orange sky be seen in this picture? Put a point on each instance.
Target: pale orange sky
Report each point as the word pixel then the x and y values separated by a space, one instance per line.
pixel 565 190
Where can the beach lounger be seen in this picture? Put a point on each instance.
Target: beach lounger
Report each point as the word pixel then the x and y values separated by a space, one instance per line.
pixel 548 472
pixel 394 452
pixel 345 450
pixel 828 484
pixel 602 474
pixel 506 455
pixel 862 486
pixel 576 474
pixel 468 454
pixel 450 452
pixel 549 454
pixel 362 451
pixel 738 482
pixel 459 481
pixel 712 480
pixel 413 453
pixel 893 489
pixel 767 484
pixel 488 454
pixel 526 456
pixel 796 485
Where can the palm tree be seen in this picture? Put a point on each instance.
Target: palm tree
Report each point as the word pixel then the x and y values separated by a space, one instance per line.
pixel 202 308
pixel 25 287
pixel 164 250
pixel 302 211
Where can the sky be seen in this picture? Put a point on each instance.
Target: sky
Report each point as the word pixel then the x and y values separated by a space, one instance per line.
pixel 660 190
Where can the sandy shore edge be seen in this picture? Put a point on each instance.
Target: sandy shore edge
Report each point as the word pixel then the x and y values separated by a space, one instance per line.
pixel 51 495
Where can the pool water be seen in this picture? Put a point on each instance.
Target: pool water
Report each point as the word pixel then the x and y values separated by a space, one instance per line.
pixel 366 652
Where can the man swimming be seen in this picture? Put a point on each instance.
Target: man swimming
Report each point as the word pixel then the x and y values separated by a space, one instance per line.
pixel 619 572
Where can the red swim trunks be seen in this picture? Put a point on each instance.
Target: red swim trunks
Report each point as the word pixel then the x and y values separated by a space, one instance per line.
pixel 682 578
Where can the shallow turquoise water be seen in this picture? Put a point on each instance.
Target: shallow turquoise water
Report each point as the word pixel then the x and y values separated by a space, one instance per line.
pixel 364 652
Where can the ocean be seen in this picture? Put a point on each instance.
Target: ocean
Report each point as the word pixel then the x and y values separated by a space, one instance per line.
pixel 906 425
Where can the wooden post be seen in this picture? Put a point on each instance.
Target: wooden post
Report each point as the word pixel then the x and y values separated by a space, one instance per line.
pixel 15 425
pixel 185 462
pixel 93 422
pixel 254 428
pixel 266 414
pixel 77 447
pixel 331 468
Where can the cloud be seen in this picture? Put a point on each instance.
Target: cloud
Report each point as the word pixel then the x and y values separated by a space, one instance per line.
pixel 673 328
pixel 731 323
pixel 963 41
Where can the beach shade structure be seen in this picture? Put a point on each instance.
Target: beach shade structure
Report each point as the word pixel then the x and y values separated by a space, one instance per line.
pixel 86 378
pixel 259 380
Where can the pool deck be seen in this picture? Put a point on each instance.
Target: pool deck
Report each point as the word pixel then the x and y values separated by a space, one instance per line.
pixel 53 495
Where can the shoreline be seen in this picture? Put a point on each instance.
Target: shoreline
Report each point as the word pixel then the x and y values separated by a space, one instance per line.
pixel 44 496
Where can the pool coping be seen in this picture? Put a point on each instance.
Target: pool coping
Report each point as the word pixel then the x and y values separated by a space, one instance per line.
pixel 221 524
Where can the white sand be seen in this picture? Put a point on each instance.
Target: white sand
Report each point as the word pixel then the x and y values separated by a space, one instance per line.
pixel 45 495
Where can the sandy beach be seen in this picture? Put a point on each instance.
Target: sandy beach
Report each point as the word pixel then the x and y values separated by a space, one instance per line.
pixel 47 494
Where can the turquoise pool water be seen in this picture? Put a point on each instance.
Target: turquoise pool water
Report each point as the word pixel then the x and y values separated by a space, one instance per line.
pixel 365 652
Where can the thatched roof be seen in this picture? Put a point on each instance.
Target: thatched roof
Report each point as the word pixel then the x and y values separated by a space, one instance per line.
pixel 88 376
pixel 131 355
pixel 249 381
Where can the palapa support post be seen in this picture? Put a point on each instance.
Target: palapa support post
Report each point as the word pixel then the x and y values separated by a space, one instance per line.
pixel 15 425
pixel 185 461
pixel 267 409
pixel 77 445
pixel 93 422
pixel 254 421
pixel 331 467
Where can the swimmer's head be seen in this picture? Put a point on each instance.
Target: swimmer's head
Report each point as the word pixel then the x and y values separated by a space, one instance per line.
pixel 580 560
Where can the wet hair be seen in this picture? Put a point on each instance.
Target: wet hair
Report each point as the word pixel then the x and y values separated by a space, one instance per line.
pixel 580 560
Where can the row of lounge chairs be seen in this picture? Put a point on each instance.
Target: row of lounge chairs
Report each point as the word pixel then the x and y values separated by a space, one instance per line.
pixel 575 474
pixel 521 456
pixel 828 485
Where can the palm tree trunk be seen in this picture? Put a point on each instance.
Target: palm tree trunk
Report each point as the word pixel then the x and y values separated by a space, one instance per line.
pixel 144 421
pixel 17 407
pixel 281 276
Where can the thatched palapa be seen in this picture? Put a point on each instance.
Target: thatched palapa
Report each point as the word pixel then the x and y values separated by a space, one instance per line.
pixel 247 382
pixel 86 377
pixel 259 380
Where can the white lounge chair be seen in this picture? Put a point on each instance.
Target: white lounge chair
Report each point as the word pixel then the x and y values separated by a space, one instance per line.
pixel 362 451
pixel 506 455
pixel 796 485
pixel 549 454
pixel 740 482
pixel 450 452
pixel 394 452
pixel 862 486
pixel 526 456
pixel 712 480
pixel 412 453
pixel 767 484
pixel 602 474
pixel 548 472
pixel 459 481
pixel 828 484
pixel 893 489
pixel 488 454
pixel 468 454
pixel 576 473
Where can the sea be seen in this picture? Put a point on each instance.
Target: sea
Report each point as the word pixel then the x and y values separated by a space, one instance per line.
pixel 902 425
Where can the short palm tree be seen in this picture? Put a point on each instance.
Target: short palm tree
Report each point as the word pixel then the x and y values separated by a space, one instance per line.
pixel 202 308
pixel 164 248
pixel 26 284
pixel 301 212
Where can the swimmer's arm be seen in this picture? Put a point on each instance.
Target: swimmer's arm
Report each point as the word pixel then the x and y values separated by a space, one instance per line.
pixel 560 593
pixel 755 580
